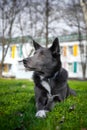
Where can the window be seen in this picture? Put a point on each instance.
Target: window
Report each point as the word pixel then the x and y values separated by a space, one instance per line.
pixel 20 51
pixel 5 68
pixel 75 67
pixel 65 65
pixel 79 67
pixel 64 51
pixel 13 51
pixel 70 67
pixel 75 50
pixel 70 50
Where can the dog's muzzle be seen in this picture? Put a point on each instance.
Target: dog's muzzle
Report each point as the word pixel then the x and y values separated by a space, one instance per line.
pixel 25 61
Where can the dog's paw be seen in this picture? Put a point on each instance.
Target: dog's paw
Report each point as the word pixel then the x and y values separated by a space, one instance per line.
pixel 41 114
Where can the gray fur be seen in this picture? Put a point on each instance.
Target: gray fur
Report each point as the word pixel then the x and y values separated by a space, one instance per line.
pixel 49 77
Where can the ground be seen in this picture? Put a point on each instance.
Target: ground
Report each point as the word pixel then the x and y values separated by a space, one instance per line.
pixel 17 108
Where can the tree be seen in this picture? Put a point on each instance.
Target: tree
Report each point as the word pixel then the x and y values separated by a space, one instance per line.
pixel 43 18
pixel 75 18
pixel 47 16
pixel 83 4
pixel 8 13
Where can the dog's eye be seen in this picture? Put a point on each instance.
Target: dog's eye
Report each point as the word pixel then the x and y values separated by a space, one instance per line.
pixel 34 53
pixel 41 53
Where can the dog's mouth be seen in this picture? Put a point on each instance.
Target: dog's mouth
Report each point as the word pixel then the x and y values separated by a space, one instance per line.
pixel 40 72
pixel 28 67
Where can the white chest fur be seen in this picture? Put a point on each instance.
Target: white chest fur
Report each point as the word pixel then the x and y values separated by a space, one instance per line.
pixel 46 85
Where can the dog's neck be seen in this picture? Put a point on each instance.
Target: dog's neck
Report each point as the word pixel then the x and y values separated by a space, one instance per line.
pixel 46 82
pixel 51 77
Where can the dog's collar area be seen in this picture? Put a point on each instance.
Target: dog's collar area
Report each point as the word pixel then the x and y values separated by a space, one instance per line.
pixel 46 81
pixel 56 73
pixel 52 77
pixel 50 96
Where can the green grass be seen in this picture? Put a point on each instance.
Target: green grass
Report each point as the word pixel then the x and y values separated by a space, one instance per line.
pixel 17 108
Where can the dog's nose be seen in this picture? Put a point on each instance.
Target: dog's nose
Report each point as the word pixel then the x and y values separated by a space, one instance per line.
pixel 24 61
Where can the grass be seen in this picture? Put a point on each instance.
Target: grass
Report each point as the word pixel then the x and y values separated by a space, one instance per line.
pixel 17 108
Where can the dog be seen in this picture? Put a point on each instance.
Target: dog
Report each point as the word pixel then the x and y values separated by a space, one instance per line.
pixel 49 77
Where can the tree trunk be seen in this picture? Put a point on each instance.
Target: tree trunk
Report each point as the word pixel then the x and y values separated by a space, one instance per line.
pixel 83 63
pixel 2 60
pixel 0 71
pixel 1 66
pixel 47 15
pixel 84 71
pixel 82 51
pixel 84 9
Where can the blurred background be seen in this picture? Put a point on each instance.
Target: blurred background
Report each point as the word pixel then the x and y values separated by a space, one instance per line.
pixel 43 20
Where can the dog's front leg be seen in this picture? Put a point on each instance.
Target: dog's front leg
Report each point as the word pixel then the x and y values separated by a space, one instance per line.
pixel 41 110
pixel 41 101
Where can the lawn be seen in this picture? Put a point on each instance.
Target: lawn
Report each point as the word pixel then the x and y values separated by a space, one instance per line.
pixel 17 108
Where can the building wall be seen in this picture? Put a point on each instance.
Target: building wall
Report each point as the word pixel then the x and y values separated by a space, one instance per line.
pixel 12 67
pixel 70 56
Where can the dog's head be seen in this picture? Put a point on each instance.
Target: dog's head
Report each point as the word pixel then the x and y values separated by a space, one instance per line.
pixel 45 61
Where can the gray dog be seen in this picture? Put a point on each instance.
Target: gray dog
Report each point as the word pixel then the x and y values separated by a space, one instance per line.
pixel 49 77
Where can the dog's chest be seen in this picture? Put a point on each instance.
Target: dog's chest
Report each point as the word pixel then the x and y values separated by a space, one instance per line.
pixel 46 85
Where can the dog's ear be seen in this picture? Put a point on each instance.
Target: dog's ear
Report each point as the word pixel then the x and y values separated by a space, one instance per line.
pixel 55 47
pixel 36 45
